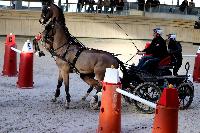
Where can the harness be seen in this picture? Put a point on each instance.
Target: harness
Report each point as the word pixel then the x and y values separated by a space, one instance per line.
pixel 71 40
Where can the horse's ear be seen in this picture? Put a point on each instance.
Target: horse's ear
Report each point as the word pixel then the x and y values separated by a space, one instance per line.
pixel 46 2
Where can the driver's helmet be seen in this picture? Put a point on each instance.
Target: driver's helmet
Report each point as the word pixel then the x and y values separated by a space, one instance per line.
pixel 172 36
pixel 158 31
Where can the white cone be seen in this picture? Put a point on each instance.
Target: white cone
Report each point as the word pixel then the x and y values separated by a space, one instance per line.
pixel 112 76
pixel 198 51
pixel 28 47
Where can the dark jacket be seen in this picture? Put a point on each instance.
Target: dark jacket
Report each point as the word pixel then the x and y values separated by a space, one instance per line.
pixel 175 48
pixel 157 48
pixel 183 6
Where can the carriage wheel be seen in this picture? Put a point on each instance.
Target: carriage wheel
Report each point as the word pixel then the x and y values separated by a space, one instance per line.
pixel 191 84
pixel 129 89
pixel 186 94
pixel 148 91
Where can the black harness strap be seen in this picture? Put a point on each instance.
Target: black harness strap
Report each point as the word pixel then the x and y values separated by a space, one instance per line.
pixel 63 58
pixel 66 51
pixel 72 65
pixel 77 55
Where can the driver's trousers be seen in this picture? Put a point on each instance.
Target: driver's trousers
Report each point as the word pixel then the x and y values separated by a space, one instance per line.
pixel 148 63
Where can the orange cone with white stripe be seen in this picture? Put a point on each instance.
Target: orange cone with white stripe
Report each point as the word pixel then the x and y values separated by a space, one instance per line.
pixel 10 57
pixel 166 114
pixel 110 110
pixel 196 71
pixel 25 77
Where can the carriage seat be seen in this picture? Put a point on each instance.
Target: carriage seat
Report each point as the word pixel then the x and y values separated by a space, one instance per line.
pixel 165 63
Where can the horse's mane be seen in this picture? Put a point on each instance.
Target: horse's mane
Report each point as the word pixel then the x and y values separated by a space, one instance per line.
pixel 63 24
pixel 62 19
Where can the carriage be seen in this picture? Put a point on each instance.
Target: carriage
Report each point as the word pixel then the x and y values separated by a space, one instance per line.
pixel 149 86
pixel 71 54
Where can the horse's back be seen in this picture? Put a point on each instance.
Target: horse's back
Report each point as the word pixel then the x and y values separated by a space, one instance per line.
pixel 96 59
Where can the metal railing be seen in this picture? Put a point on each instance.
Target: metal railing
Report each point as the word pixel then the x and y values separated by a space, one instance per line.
pixel 127 8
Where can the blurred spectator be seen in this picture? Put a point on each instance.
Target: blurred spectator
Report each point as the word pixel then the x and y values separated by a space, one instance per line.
pixel 59 3
pixel 183 6
pixel 106 4
pixel 191 6
pixel 172 10
pixel 13 4
pixel 80 5
pixel 119 6
pixel 99 6
pixel 112 5
pixel 152 3
pixel 141 5
pixel 197 24
pixel 91 6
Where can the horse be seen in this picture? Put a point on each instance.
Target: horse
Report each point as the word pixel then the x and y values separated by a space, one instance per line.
pixel 51 11
pixel 71 54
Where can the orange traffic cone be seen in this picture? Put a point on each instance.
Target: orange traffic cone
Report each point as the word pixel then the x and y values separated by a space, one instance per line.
pixel 25 77
pixel 166 114
pixel 10 57
pixel 196 71
pixel 110 110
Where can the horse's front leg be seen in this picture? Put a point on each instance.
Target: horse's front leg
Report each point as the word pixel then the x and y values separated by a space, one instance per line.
pixel 57 93
pixel 66 82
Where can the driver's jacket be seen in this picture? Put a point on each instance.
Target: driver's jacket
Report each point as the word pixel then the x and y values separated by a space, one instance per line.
pixel 157 48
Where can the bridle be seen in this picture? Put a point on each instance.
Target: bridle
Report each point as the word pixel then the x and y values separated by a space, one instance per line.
pixel 45 11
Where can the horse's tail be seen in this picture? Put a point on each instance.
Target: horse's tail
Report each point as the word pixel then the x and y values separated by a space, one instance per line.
pixel 124 80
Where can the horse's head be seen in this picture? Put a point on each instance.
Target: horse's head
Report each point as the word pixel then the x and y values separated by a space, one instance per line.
pixel 49 12
pixel 48 35
pixel 54 35
pixel 46 14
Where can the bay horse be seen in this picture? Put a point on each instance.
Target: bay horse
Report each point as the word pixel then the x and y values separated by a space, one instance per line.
pixel 71 54
pixel 51 11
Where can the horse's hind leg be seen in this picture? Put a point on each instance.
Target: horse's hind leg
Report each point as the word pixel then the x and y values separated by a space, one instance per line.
pixel 89 79
pixel 57 93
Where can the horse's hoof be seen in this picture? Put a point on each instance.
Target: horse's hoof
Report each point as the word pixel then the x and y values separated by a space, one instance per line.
pixel 67 105
pixel 93 103
pixel 84 98
pixel 54 99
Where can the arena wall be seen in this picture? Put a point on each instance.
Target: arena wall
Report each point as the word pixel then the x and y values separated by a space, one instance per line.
pixel 138 26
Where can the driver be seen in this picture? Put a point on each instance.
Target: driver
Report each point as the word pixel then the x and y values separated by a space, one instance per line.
pixel 156 51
